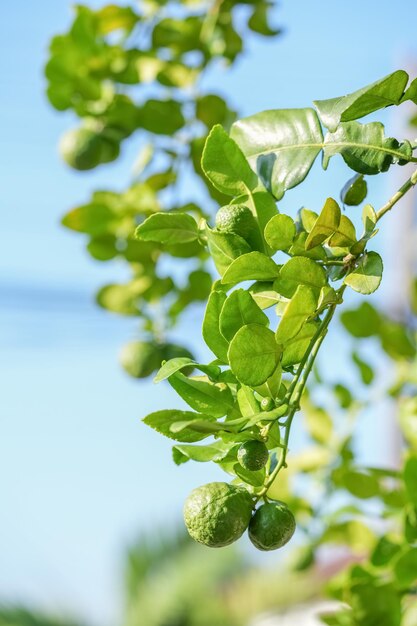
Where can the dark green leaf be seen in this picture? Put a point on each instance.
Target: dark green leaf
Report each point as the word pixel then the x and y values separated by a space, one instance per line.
pixel 355 190
pixel 225 248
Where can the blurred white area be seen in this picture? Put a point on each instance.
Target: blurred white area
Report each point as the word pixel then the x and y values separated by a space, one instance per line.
pixel 304 615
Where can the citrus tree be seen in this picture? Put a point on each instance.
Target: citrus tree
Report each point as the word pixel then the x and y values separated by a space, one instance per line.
pixel 134 73
pixel 244 402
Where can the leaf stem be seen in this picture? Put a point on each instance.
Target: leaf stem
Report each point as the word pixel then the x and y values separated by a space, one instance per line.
pixel 409 184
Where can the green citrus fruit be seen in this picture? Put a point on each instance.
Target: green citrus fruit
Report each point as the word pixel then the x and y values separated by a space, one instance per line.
pixel 81 148
pixel 253 455
pixel 272 526
pixel 217 514
pixel 141 358
pixel 239 219
pixel 267 404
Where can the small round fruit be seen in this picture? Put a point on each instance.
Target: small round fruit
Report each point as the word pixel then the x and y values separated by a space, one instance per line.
pixel 81 148
pixel 272 526
pixel 267 404
pixel 253 455
pixel 239 220
pixel 217 514
pixel 140 358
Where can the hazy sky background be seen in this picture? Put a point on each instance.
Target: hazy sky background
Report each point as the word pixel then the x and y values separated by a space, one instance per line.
pixel 79 474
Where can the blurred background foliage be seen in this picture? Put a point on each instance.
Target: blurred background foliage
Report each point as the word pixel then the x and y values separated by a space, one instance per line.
pixel 141 69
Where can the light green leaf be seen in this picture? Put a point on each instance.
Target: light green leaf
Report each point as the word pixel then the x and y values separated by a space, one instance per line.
pixel 251 266
pixel 367 277
pixel 264 294
pixel 298 248
pixel 168 228
pixel 225 248
pixel 319 423
pixel 225 165
pixel 369 219
pixel 281 145
pixel 325 225
pixel 364 147
pixel 344 235
pixel 253 354
pixel 162 421
pixel 300 271
pixel 405 568
pixel 183 362
pixel 211 325
pixel 361 483
pixel 204 397
pixel 354 191
pixel 280 232
pixel 296 347
pixel 301 306
pixel 256 478
pixel 240 309
pixel 212 452
pixel 271 387
pixel 365 370
pixel 384 92
pixel 247 402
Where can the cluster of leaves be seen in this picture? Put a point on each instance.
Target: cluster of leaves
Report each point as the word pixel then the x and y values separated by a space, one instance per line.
pixel 126 70
pixel 256 384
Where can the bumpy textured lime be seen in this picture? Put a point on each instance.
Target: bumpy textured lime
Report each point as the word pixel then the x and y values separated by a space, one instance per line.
pixel 141 358
pixel 217 514
pixel 272 526
pixel 81 148
pixel 239 219
pixel 253 455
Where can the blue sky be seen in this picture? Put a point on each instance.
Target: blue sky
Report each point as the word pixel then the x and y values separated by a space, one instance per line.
pixel 79 474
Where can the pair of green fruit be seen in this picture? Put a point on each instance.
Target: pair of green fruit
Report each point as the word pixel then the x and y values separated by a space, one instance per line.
pixel 217 514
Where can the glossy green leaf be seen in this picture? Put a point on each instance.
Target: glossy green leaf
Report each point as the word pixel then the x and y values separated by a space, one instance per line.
pixel 364 147
pixel 259 20
pixel 202 396
pixel 168 228
pixel 225 165
pixel 202 454
pixel 225 248
pixel 211 325
pixel 325 225
pixel 238 310
pixel 301 306
pixel 251 266
pixel 280 232
pixel 253 354
pixel 354 191
pixel 367 277
pixel 300 271
pixel 281 145
pixel 162 422
pixel 378 95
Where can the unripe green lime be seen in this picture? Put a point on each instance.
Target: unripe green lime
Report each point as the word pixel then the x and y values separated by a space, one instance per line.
pixel 272 526
pixel 81 148
pixel 239 219
pixel 253 455
pixel 267 404
pixel 141 358
pixel 217 514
